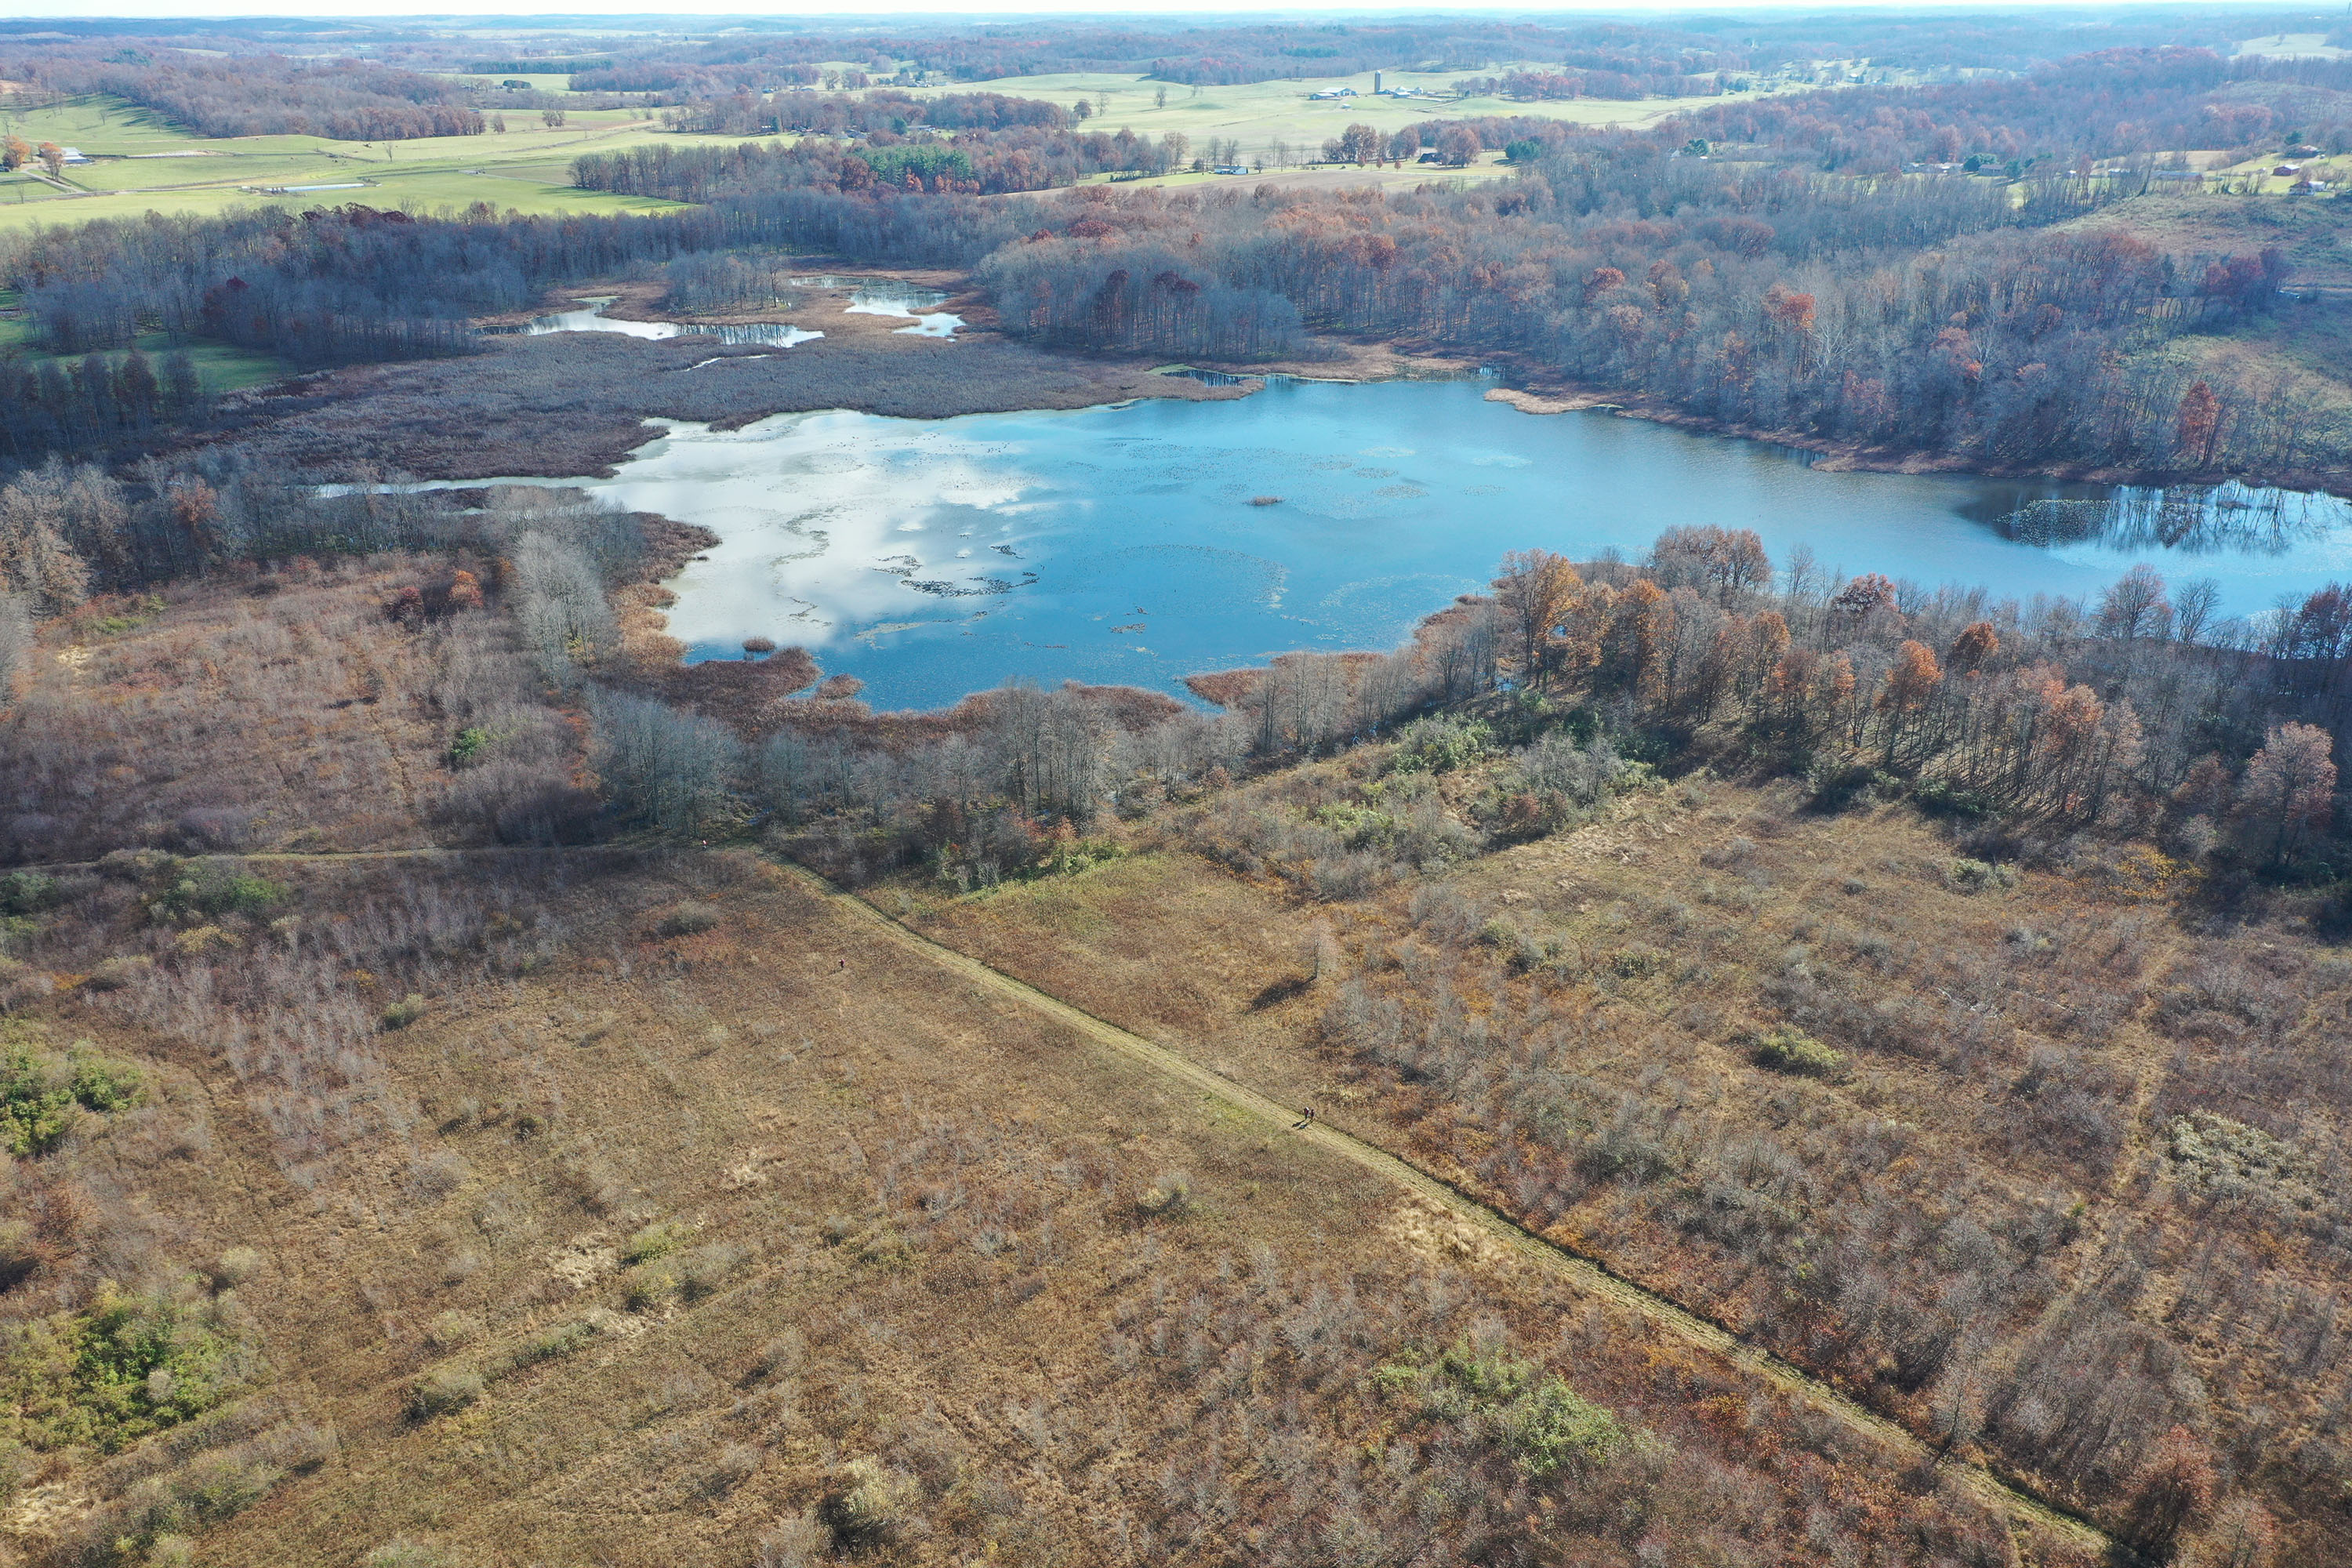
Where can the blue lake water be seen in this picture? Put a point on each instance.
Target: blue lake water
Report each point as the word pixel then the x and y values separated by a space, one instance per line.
pixel 1120 544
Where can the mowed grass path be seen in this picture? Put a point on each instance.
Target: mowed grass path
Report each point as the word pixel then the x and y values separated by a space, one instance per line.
pixel 142 164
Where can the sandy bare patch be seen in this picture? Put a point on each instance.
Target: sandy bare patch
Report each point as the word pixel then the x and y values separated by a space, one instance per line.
pixel 583 1260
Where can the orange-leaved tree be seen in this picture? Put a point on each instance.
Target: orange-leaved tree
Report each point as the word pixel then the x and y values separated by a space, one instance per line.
pixel 2288 792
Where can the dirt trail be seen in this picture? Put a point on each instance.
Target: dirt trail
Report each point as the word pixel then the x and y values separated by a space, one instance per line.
pixel 1586 1274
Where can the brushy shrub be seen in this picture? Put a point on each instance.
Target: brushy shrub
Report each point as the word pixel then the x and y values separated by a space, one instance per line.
pixel 1640 960
pixel 1965 876
pixel 559 1340
pixel 1840 789
pixel 137 865
pixel 126 1365
pixel 656 1240
pixel 1784 1050
pixel 149 1521
pixel 21 1252
pixel 1443 913
pixel 1351 874
pixel 234 1267
pixel 784 1355
pixel 703 1270
pixel 441 1390
pixel 1492 1395
pixel 1942 797
pixel 689 919
pixel 1441 743
pixel 1737 852
pixel 199 941
pixel 405 1012
pixel 116 974
pixel 447 1331
pixel 441 1172
pixel 29 893
pixel 1577 776
pixel 1518 949
pixel 16 1470
pixel 867 1505
pixel 648 1288
pixel 736 1463
pixel 1170 1195
pixel 215 889
pixel 42 1093
pixel 471 743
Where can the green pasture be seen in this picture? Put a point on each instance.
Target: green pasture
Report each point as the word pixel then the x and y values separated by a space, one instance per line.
pixel 142 164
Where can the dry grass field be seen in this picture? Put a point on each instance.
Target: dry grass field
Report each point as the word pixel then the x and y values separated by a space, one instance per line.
pixel 618 1209
pixel 1980 1188
pixel 637 1205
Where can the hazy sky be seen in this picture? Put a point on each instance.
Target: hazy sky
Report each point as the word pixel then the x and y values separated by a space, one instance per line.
pixel 832 10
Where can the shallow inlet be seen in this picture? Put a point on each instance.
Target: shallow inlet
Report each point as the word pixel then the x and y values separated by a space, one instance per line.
pixel 771 334
pixel 904 301
pixel 933 558
pixel 908 302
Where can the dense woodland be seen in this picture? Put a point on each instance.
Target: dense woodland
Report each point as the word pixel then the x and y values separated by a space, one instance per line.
pixel 1210 55
pixel 262 95
pixel 1763 290
pixel 1602 58
pixel 1942 313
pixel 2111 104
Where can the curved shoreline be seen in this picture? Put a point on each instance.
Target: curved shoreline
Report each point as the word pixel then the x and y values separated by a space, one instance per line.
pixel 1853 457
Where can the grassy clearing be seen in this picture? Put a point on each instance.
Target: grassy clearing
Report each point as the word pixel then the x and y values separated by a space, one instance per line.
pixel 219 367
pixel 541 81
pixel 2314 232
pixel 2293 46
pixel 1258 114
pixel 2304 347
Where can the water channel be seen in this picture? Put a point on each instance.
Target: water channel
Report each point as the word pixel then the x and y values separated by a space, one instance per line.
pixel 880 298
pixel 1145 542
